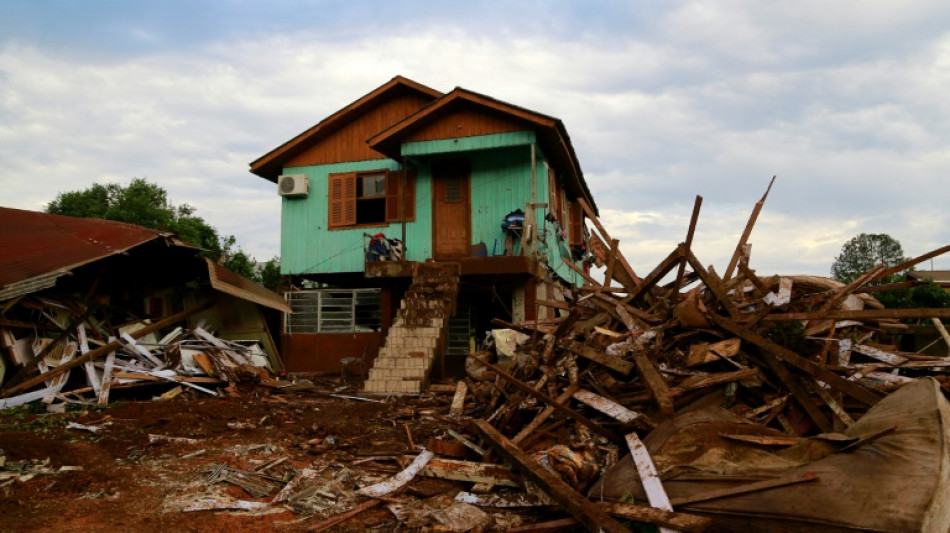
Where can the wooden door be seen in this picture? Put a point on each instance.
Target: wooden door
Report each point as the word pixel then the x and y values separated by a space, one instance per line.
pixel 451 210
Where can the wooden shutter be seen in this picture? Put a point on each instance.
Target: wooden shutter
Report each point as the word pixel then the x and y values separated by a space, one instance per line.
pixel 393 182
pixel 577 224
pixel 395 197
pixel 342 211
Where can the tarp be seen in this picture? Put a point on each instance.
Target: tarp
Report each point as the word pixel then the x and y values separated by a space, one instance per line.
pixel 897 482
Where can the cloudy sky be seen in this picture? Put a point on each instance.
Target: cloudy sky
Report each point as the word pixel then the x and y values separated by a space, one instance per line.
pixel 846 102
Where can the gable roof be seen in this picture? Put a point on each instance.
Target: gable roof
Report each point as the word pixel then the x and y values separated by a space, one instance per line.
pixel 270 165
pixel 551 133
pixel 36 248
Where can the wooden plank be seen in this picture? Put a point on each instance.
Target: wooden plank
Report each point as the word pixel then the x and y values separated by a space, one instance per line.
pixel 106 379
pixel 545 413
pixel 655 382
pixel 457 470
pixel 862 394
pixel 608 407
pixel 611 262
pixel 611 362
pixel 342 517
pixel 458 401
pixel 641 513
pixel 718 378
pixel 799 393
pixel 627 269
pixel 591 517
pixel 649 477
pixel 747 232
pixel 105 349
pixel 687 245
pixel 656 275
pixel 518 384
pixel 713 284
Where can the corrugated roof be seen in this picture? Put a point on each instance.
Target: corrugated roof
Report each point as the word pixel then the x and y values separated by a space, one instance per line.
pixel 36 248
pixel 228 282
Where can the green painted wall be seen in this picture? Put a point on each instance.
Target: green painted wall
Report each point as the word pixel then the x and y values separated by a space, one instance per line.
pixel 501 183
pixel 308 247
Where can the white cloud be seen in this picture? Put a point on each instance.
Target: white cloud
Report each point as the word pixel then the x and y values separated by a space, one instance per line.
pixel 845 103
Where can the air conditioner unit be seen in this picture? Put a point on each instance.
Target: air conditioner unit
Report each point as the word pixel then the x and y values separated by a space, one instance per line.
pixel 293 186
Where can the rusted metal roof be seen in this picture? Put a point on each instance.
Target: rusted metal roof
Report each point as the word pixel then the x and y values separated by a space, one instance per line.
pixel 36 248
pixel 228 282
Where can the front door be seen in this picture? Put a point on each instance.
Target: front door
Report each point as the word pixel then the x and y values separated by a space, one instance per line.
pixel 451 208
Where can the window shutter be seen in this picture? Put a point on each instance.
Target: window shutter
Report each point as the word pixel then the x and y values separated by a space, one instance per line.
pixel 349 199
pixel 342 211
pixel 395 199
pixel 393 182
pixel 577 224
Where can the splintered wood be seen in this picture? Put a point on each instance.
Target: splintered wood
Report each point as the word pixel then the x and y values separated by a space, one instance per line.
pixel 71 333
pixel 796 356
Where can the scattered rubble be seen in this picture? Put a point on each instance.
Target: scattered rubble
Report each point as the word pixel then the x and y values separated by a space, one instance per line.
pixel 685 399
pixel 46 338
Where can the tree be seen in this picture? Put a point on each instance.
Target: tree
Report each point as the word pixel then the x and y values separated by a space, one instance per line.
pixel 270 274
pixel 864 252
pixel 146 204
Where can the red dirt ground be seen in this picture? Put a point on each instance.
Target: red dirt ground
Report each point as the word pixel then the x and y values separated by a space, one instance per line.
pixel 127 484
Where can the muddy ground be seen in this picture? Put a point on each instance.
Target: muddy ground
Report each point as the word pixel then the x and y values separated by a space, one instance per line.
pixel 127 483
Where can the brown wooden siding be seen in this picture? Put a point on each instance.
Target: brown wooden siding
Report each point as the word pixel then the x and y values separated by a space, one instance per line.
pixel 349 142
pixel 322 352
pixel 466 122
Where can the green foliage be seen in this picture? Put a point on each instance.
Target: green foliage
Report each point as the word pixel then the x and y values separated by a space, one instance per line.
pixel 270 274
pixel 928 295
pixel 147 204
pixel 864 252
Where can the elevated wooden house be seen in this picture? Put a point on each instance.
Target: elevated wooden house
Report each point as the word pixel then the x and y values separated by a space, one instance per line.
pixel 484 198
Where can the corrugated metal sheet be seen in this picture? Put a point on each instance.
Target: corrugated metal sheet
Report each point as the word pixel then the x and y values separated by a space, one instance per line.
pixel 228 282
pixel 36 248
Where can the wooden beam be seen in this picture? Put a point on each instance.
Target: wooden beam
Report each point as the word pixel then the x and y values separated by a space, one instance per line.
pixel 546 413
pixel 598 356
pixel 655 382
pixel 649 477
pixel 747 232
pixel 854 390
pixel 627 269
pixel 591 517
pixel 656 275
pixel 687 245
pixel 518 384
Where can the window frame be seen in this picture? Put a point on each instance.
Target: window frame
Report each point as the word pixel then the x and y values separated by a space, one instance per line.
pixel 334 311
pixel 343 198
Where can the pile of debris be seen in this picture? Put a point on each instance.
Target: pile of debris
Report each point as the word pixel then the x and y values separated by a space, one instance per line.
pixel 46 337
pixel 710 403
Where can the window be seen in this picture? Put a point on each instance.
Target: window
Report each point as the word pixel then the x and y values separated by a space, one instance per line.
pixel 334 311
pixel 370 198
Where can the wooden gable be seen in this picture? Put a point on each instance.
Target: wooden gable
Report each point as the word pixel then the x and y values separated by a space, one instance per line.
pixel 342 136
pixel 348 142
pixel 467 121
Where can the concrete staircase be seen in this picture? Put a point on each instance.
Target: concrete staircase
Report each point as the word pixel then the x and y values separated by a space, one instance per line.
pixel 418 334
